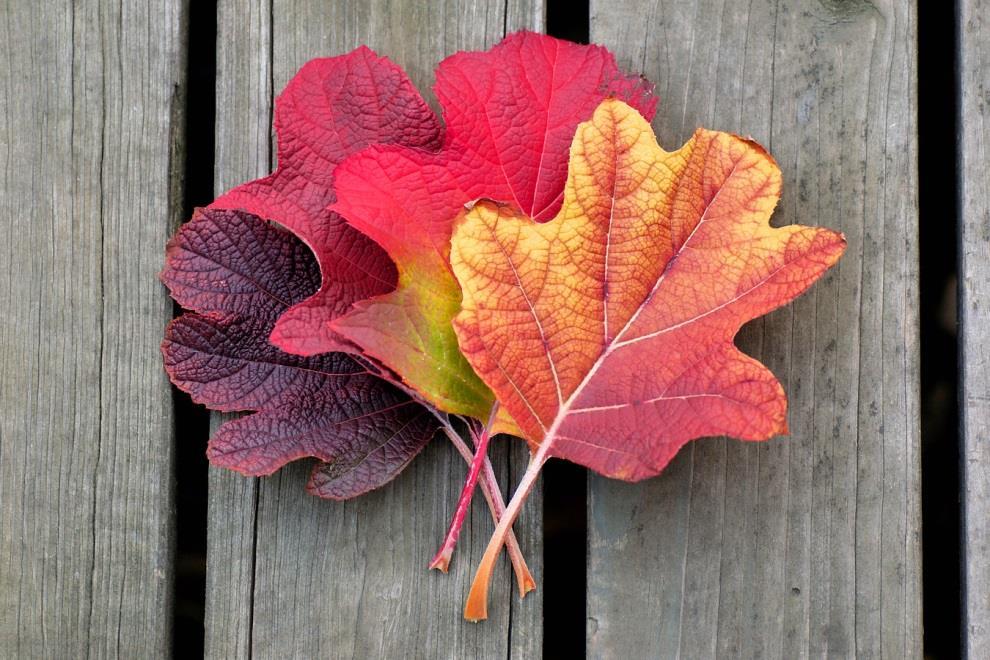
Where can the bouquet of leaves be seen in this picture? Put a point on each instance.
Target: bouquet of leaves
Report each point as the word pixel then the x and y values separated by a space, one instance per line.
pixel 533 266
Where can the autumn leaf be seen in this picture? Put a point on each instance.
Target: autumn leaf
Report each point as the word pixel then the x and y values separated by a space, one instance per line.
pixel 239 273
pixel 608 332
pixel 330 109
pixel 510 113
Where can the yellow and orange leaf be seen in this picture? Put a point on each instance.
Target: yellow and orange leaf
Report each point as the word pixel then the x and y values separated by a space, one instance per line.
pixel 608 331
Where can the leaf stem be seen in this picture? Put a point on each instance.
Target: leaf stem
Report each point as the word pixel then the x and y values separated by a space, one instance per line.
pixel 442 558
pixel 489 483
pixel 476 607
pixel 493 495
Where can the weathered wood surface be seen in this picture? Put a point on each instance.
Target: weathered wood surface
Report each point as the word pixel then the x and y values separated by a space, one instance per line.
pixel 974 318
pixel 90 130
pixel 293 576
pixel 806 546
pixel 242 152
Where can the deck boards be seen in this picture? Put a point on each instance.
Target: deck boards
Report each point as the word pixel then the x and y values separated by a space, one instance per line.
pixel 293 576
pixel 974 318
pixel 807 545
pixel 90 140
pixel 799 547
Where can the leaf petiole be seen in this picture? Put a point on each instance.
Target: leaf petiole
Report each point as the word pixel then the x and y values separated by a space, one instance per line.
pixel 489 483
pixel 442 559
pixel 493 495
pixel 476 607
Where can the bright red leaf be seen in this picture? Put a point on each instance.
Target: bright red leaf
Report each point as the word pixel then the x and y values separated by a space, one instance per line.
pixel 330 109
pixel 510 113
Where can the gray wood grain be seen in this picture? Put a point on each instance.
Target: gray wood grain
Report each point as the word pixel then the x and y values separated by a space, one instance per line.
pixel 290 575
pixel 806 545
pixel 974 319
pixel 242 152
pixel 91 110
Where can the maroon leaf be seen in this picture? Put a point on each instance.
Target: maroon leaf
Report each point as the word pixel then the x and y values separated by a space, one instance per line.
pixel 239 273
pixel 229 261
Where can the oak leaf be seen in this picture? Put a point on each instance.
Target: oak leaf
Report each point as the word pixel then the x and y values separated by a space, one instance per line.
pixel 239 274
pixel 510 115
pixel 608 331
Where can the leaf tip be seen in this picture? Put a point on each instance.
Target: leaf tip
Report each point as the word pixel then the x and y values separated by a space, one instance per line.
pixel 842 241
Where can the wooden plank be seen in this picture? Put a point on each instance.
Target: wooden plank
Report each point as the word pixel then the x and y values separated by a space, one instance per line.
pixel 242 152
pixel 91 96
pixel 974 320
pixel 806 545
pixel 349 579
